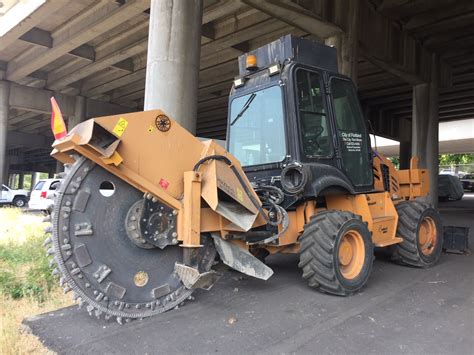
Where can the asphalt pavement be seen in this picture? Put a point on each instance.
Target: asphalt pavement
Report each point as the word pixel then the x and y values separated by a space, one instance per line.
pixel 401 310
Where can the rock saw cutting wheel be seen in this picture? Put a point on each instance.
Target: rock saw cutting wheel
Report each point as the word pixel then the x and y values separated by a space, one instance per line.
pixel 109 273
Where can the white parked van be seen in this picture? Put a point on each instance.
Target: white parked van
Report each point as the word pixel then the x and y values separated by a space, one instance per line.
pixel 42 196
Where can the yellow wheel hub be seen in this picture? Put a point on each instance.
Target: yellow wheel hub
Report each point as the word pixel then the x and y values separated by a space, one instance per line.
pixel 351 254
pixel 427 235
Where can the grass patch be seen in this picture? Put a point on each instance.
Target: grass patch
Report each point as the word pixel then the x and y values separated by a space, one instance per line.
pixel 27 285
pixel 24 267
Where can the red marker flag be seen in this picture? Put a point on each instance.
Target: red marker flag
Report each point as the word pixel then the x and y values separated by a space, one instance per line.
pixel 57 122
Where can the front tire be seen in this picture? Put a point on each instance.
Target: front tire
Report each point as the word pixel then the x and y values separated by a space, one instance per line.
pixel 420 227
pixel 19 202
pixel 336 253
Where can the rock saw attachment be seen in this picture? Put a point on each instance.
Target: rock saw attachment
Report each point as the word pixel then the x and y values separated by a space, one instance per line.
pixel 133 216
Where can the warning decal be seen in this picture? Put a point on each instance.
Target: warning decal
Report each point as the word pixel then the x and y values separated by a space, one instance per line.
pixel 120 127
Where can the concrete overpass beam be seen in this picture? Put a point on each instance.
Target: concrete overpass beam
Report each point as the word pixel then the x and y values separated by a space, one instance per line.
pixel 174 44
pixel 425 124
pixel 347 43
pixel 4 106
pixel 79 113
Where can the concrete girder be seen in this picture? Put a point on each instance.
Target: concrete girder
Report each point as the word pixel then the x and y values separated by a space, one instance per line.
pixel 31 140
pixel 124 53
pixel 45 121
pixel 402 8
pixel 126 90
pixel 81 29
pixel 23 117
pixel 221 9
pixel 296 16
pixel 431 21
pixel 37 100
pixel 240 36
pixel 29 22
pixel 116 83
pixel 114 45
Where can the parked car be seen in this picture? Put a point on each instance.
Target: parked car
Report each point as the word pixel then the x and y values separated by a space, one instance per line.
pixel 468 182
pixel 17 198
pixel 43 194
pixel 449 188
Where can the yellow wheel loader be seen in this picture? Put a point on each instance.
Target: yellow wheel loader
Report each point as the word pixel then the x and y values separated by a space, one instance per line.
pixel 147 206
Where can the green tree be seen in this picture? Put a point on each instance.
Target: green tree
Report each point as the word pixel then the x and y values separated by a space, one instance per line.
pixel 456 159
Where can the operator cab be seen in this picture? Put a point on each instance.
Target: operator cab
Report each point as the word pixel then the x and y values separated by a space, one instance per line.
pixel 295 122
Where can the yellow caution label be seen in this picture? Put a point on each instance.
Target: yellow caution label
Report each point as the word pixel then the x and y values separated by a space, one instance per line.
pixel 120 127
pixel 150 129
pixel 240 195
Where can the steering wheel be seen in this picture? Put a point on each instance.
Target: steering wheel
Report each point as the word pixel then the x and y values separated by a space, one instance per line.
pixel 311 138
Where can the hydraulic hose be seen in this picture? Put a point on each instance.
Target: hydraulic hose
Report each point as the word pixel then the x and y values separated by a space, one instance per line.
pixel 282 216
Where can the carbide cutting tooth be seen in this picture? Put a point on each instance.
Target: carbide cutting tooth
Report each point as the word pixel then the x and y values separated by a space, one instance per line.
pixel 99 297
pixel 127 320
pixel 98 313
pixel 50 251
pixel 107 316
pixel 89 309
pixel 75 271
pixel 67 289
pixel 119 320
pixel 47 219
pixel 80 302
pixel 52 262
pixel 47 241
pixel 61 281
pixel 55 271
pixel 48 229
pixel 75 296
pixel 66 246
pixel 191 298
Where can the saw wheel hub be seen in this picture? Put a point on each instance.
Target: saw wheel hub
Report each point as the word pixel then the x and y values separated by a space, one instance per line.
pixel 158 223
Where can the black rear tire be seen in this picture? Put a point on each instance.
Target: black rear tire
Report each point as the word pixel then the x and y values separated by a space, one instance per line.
pixel 19 202
pixel 320 247
pixel 413 251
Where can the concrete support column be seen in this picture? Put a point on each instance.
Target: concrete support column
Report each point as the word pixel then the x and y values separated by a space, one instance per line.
pixel 172 73
pixel 35 176
pixel 79 113
pixel 347 43
pixel 4 106
pixel 59 167
pixel 405 154
pixel 21 180
pixel 425 125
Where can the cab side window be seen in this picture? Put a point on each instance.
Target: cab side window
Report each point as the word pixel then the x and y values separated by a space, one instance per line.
pixel 315 131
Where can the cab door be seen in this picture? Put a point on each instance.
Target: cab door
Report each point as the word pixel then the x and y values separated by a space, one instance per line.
pixel 5 196
pixel 352 135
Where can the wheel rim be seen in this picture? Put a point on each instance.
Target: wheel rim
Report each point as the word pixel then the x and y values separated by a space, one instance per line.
pixel 351 254
pixel 20 203
pixel 427 235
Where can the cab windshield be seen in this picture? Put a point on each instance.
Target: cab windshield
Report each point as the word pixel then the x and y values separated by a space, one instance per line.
pixel 256 132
